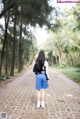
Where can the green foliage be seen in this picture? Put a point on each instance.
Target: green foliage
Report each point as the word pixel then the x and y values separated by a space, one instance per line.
pixel 32 11
pixel 55 21
pixel 76 12
pixel 63 40
pixel 72 73
pixel 69 72
pixel 64 65
pixel 4 77
pixel 78 67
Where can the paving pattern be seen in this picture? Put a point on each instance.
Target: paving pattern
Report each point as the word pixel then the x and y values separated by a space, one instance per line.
pixel 18 98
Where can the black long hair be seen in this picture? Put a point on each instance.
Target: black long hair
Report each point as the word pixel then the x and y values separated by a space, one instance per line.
pixel 40 59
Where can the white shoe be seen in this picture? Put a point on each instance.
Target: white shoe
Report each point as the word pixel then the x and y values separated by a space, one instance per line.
pixel 38 103
pixel 42 104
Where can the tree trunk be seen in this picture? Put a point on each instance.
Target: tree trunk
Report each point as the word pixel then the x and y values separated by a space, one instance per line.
pixel 6 67
pixel 20 50
pixel 13 51
pixel 2 56
pixel 4 43
pixel 60 58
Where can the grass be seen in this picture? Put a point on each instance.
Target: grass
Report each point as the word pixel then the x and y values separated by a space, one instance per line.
pixel 70 72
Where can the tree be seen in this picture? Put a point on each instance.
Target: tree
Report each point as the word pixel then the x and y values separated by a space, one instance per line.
pixel 64 39
pixel 5 42
pixel 21 14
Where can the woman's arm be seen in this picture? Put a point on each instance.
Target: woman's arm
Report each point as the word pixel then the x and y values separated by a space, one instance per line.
pixel 47 69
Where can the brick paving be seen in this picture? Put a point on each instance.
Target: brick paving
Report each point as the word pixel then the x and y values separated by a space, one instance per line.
pixel 18 98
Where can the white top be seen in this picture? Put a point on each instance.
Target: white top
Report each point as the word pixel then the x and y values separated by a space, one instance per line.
pixel 47 68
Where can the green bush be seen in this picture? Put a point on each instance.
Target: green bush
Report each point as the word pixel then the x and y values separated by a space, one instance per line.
pixel 78 66
pixel 72 73
pixel 64 65
pixel 4 77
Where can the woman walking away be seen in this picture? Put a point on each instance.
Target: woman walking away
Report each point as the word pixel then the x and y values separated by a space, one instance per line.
pixel 42 78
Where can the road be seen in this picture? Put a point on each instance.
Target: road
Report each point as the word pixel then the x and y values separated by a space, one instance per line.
pixel 18 98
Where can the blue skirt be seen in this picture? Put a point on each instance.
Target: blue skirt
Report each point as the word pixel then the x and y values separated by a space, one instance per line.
pixel 41 82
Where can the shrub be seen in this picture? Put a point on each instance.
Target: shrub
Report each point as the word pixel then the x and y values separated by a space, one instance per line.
pixel 4 77
pixel 78 66
pixel 64 65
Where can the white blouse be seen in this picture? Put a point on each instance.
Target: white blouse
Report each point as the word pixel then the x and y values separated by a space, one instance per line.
pixel 47 68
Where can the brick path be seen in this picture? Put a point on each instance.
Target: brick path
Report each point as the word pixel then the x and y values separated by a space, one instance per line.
pixel 18 99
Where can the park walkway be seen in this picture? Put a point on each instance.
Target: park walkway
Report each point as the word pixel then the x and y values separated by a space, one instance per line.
pixel 17 98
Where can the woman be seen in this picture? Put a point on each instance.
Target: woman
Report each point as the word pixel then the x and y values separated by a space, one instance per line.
pixel 42 78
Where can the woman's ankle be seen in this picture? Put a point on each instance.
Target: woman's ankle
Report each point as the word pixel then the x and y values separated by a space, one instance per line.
pixel 43 103
pixel 38 103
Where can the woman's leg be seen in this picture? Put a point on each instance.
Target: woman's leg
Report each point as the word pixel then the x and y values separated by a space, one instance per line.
pixel 43 98
pixel 38 95
pixel 43 94
pixel 38 98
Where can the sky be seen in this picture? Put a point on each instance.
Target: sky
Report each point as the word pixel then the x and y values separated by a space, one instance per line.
pixel 40 33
